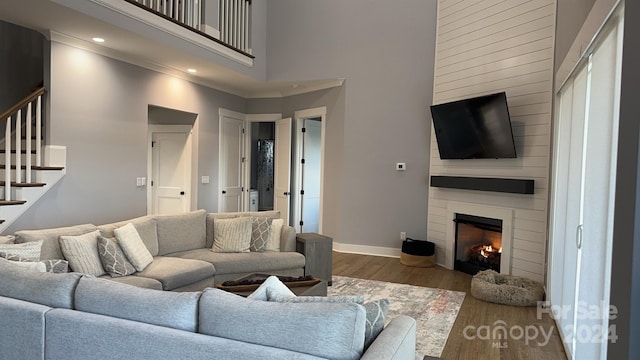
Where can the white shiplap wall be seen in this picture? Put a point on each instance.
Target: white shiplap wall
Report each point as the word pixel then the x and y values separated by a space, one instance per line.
pixel 484 47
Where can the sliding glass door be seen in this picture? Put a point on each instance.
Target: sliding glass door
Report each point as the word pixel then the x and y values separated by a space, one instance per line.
pixel 581 232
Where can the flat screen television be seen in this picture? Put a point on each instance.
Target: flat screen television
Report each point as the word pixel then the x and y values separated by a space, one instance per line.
pixel 475 128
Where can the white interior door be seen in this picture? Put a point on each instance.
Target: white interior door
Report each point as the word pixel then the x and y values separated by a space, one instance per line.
pixel 170 170
pixel 231 167
pixel 282 172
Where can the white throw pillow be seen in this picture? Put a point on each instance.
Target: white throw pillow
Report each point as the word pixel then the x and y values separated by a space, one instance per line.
pixel 82 253
pixel 271 285
pixel 232 235
pixel 274 240
pixel 34 266
pixel 29 251
pixel 133 246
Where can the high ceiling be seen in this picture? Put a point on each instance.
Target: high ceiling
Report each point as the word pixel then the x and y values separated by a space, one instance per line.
pixel 61 23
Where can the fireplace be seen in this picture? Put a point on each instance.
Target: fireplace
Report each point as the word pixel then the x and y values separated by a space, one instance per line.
pixel 478 243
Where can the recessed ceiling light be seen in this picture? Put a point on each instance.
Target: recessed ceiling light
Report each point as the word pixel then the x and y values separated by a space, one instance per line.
pixel 98 39
pixel 193 71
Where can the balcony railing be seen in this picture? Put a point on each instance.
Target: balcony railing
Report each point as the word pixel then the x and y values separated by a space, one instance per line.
pixel 234 23
pixel 233 19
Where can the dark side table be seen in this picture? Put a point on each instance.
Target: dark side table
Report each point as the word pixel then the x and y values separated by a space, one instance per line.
pixel 318 252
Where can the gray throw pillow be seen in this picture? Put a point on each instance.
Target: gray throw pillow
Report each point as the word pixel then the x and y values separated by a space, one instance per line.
pixel 376 313
pixel 260 233
pixel 56 266
pixel 113 259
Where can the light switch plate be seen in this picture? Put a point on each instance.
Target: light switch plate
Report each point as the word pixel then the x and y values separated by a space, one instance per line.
pixel 401 166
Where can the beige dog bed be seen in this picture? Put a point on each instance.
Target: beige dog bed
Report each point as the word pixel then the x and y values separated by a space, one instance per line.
pixel 490 286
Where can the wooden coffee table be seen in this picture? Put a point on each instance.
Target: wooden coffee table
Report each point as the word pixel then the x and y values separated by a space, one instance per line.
pixel 317 287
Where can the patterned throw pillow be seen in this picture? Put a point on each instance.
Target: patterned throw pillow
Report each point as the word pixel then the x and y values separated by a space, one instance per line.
pixel 82 253
pixel 29 251
pixel 113 259
pixel 52 266
pixel 260 233
pixel 133 246
pixel 376 312
pixel 56 266
pixel 232 235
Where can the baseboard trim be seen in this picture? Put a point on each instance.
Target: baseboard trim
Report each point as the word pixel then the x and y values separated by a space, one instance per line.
pixel 366 250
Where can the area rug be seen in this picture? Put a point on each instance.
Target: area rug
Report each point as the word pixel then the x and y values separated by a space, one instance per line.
pixel 435 310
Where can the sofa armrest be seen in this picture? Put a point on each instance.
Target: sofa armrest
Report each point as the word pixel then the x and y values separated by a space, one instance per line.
pixel 396 342
pixel 288 238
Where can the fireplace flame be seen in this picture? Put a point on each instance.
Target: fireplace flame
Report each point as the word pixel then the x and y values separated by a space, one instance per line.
pixel 487 250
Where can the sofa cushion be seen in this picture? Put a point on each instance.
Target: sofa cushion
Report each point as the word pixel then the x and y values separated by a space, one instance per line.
pixel 74 335
pixel 27 251
pixel 146 227
pixel 328 330
pixel 54 290
pixel 239 263
pixel 82 253
pixel 132 245
pixel 51 246
pixel 181 232
pixel 139 281
pixel 260 233
pixel 176 310
pixel 272 214
pixel 21 329
pixel 232 235
pixel 376 310
pixel 174 272
pixel 113 259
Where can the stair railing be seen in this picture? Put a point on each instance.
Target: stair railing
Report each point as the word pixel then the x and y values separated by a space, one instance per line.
pixel 15 112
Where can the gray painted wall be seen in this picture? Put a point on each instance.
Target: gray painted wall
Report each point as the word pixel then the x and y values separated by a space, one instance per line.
pixel 570 15
pixel 99 110
pixel 385 50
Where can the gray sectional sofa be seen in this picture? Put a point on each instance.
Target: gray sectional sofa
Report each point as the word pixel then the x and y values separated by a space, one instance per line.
pixel 74 316
pixel 181 249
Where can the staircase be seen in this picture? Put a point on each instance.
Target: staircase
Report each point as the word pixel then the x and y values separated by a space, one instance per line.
pixel 25 174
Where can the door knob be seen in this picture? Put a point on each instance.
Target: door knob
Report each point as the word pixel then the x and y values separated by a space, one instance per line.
pixel 224 191
pixel 181 192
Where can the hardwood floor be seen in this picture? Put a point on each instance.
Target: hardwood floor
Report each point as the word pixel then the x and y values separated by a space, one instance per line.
pixel 477 319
